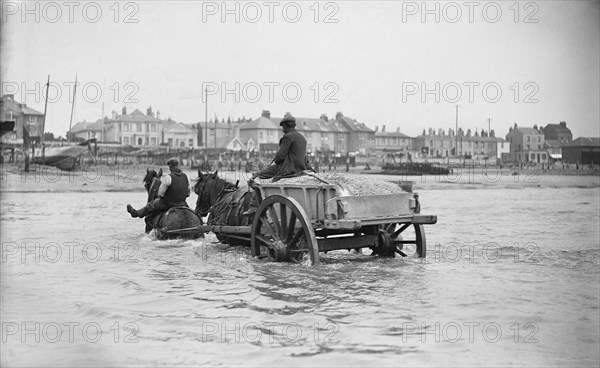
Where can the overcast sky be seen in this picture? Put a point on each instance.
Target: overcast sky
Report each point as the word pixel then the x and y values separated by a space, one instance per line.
pixel 370 60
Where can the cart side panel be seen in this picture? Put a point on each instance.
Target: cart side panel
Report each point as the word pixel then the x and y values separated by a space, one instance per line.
pixel 370 206
pixel 312 198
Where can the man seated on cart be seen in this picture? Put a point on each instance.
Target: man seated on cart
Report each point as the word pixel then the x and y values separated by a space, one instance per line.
pixel 174 189
pixel 290 159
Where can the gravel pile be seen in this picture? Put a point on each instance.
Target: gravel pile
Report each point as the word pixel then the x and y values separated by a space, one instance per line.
pixel 351 184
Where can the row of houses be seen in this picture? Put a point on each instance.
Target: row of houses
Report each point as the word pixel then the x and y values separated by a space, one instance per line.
pixel 551 143
pixel 341 134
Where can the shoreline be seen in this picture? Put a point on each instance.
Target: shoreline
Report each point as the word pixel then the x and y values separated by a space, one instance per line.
pixel 128 178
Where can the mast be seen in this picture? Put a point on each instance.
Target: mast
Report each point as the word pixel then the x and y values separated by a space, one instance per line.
pixel 72 107
pixel 45 109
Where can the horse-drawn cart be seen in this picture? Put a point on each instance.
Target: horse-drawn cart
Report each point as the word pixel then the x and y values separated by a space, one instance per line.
pixel 294 222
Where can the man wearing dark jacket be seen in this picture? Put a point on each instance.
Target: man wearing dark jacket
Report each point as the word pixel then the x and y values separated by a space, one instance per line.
pixel 290 159
pixel 174 189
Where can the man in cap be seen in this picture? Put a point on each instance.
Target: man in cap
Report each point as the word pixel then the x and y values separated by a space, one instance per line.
pixel 290 159
pixel 174 189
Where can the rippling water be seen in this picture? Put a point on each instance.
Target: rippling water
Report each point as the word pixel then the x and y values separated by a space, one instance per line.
pixel 511 278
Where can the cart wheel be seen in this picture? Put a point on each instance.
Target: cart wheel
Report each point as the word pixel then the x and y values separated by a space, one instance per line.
pixel 394 236
pixel 282 231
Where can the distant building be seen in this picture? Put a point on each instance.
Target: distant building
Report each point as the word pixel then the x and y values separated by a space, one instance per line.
pixel 583 150
pixel 392 141
pixel 478 146
pixel 341 135
pixel 179 135
pixel 84 130
pixel 136 128
pixel 23 116
pixel 527 145
pixel 360 137
pixel 556 136
pixel 558 132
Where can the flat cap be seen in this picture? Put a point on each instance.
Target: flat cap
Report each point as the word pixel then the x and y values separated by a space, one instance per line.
pixel 173 161
pixel 288 119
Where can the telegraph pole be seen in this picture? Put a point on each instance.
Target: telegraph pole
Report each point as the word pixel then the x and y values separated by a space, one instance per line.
pixel 205 125
pixel 456 133
pixel 489 126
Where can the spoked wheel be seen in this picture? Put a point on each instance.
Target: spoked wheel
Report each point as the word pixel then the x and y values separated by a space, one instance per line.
pixel 401 239
pixel 282 232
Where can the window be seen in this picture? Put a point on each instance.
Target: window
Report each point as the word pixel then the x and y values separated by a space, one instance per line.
pixel 170 141
pixel 191 143
pixel 126 127
pixel 138 127
pixel 528 138
pixel 539 139
pixel 153 141
pixel 270 133
pixel 125 140
pixel 533 156
pixel 543 156
pixel 261 135
pixel 153 127
pixel 539 146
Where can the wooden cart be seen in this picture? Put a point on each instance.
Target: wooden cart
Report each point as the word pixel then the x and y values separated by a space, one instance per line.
pixel 295 222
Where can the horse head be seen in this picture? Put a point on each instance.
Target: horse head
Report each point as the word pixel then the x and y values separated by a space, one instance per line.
pixel 209 188
pixel 152 182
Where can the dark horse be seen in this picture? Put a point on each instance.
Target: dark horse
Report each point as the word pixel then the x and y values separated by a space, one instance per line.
pixel 225 203
pixel 176 222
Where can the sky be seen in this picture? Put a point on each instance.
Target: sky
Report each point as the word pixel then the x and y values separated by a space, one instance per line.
pixel 405 65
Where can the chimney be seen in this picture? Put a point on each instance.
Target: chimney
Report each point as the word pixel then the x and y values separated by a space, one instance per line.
pixel 124 110
pixel 149 111
pixel 476 133
pixel 324 117
pixel 535 127
pixel 266 114
pixel 383 128
pixel 440 131
pixel 114 114
pixel 468 132
pixel 339 115
pixel 376 128
pixel 563 124
pixel 158 114
pixel 492 134
pixel 10 97
pixel 430 131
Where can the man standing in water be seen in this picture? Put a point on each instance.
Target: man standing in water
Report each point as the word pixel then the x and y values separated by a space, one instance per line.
pixel 174 189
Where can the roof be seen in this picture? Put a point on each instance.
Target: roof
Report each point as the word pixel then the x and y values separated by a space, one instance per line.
pixel 552 143
pixel 529 131
pixel 391 134
pixel 354 125
pixel 84 126
pixel 137 117
pixel 262 123
pixel 584 141
pixel 9 104
pixel 179 127
pixel 553 130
